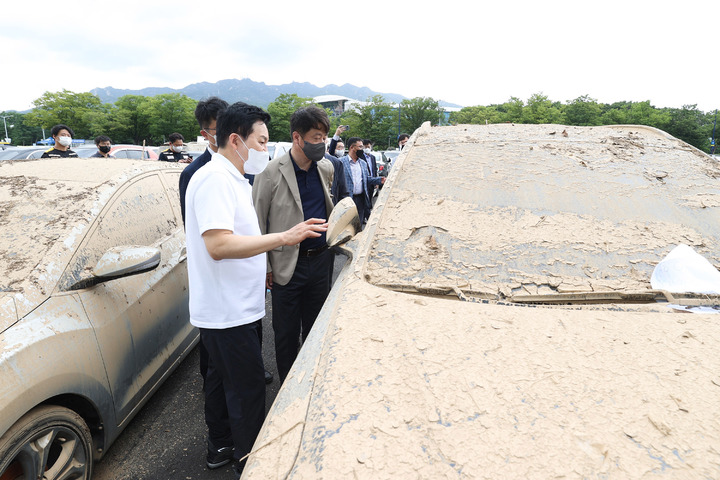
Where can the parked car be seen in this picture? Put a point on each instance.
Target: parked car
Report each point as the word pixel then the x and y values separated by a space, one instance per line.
pixel 93 306
pixel 388 158
pixel 136 152
pixel 276 149
pixel 21 153
pixel 498 320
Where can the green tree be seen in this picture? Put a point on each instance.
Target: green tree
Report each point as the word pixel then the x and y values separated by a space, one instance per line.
pixel 168 113
pixel 540 109
pixel 691 125
pixel 375 120
pixel 512 110
pixel 477 115
pixel 583 111
pixel 76 110
pixel 130 122
pixel 280 110
pixel 416 111
pixel 17 130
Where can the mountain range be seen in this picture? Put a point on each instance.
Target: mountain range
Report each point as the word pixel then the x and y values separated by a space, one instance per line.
pixel 254 93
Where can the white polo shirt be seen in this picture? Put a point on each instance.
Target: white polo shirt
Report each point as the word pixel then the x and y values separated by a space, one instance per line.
pixel 231 292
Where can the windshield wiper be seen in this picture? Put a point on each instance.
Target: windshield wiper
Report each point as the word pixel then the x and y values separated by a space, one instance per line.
pixel 578 298
pixel 645 296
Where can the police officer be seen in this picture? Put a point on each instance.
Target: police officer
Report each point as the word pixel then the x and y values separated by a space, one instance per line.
pixel 62 134
pixel 175 153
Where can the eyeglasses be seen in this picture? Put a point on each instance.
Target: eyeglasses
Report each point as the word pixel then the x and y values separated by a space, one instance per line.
pixel 207 129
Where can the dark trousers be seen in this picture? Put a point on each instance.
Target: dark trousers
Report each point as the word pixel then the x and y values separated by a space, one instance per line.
pixel 296 305
pixel 360 205
pixel 234 386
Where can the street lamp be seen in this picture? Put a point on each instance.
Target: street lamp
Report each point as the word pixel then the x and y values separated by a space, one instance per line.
pixel 7 139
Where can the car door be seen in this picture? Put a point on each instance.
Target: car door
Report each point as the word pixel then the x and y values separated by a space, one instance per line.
pixel 141 321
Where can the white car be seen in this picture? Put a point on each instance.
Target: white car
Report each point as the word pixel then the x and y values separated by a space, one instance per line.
pixel 498 317
pixel 93 306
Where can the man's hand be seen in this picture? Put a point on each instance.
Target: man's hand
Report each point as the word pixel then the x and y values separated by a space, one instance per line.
pixel 311 228
pixel 382 180
pixel 339 130
pixel 268 281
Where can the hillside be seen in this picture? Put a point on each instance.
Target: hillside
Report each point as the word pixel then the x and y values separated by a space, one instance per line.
pixel 249 91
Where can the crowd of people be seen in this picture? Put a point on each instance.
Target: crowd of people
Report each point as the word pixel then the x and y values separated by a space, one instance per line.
pixel 255 225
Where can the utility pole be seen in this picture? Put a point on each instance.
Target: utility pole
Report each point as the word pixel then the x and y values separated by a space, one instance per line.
pixel 398 119
pixel 7 139
pixel 712 141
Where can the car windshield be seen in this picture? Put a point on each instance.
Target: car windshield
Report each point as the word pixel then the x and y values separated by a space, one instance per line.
pixel 504 210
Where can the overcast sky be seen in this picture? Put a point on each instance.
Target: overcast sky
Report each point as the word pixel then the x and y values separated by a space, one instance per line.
pixel 465 52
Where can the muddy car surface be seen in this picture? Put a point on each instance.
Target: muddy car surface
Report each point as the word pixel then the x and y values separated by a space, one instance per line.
pixel 93 306
pixel 497 319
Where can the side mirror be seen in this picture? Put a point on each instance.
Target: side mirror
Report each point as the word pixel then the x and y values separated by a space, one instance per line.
pixel 343 223
pixel 124 261
pixel 120 262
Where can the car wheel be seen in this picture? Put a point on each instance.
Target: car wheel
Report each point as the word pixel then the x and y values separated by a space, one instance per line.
pixel 52 443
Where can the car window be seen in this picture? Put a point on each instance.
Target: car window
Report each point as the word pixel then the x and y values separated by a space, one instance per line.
pixel 134 154
pixel 139 214
pixel 8 154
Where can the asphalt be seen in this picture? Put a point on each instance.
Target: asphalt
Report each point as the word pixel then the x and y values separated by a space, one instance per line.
pixel 167 438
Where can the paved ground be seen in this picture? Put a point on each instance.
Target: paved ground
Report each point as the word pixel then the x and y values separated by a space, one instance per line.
pixel 166 440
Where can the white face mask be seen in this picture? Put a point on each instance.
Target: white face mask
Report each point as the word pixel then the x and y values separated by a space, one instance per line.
pixel 256 162
pixel 340 152
pixel 177 149
pixel 214 139
pixel 65 141
pixel 367 150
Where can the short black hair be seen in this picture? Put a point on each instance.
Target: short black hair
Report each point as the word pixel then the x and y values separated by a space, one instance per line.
pixel 239 118
pixel 403 136
pixel 352 140
pixel 174 137
pixel 102 138
pixel 56 129
pixel 367 141
pixel 208 110
pixel 305 119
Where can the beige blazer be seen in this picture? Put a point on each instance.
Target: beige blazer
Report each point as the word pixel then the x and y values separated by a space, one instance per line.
pixel 277 202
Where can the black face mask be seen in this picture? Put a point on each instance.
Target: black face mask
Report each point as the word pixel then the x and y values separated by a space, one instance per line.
pixel 314 151
pixel 360 154
pixel 104 148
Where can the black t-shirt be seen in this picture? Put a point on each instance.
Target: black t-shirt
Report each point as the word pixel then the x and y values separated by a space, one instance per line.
pixel 170 156
pixel 55 153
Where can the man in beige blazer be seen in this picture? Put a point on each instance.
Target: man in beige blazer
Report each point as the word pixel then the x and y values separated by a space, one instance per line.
pixel 293 188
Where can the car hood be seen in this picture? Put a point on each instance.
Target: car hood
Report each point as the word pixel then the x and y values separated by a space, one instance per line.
pixel 8 311
pixel 406 383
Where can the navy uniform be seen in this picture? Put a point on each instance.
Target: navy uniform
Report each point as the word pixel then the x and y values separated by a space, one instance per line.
pixel 170 156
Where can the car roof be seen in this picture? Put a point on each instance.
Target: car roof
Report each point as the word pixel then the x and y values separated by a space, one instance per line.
pixel 47 206
pixel 507 208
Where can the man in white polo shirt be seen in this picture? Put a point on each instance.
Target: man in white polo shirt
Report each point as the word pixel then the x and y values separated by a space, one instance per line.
pixel 226 268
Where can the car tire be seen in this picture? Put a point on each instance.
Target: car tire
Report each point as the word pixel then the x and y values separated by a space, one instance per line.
pixel 48 442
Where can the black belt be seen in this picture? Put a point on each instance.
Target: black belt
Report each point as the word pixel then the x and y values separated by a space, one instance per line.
pixel 357 195
pixel 311 252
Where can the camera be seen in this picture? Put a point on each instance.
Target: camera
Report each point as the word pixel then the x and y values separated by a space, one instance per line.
pixel 345 127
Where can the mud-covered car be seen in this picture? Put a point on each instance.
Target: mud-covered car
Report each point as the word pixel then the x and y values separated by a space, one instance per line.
pixel 93 306
pixel 497 319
